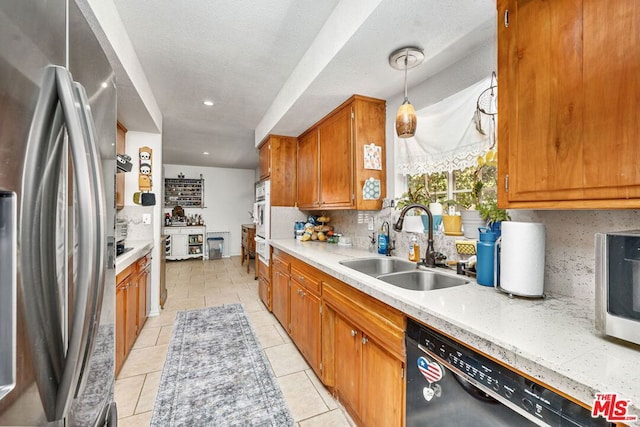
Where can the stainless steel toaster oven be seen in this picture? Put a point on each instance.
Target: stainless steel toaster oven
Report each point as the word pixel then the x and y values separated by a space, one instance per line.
pixel 618 284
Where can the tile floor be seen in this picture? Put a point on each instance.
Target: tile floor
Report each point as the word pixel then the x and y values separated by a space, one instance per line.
pixel 195 284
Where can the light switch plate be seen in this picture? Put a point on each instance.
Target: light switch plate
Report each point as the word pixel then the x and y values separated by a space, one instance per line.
pixel 146 218
pixel 370 224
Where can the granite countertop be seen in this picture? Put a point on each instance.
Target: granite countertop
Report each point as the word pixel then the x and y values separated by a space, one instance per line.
pixel 553 340
pixel 140 248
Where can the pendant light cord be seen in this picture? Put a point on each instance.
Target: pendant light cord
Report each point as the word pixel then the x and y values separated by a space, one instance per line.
pixel 406 57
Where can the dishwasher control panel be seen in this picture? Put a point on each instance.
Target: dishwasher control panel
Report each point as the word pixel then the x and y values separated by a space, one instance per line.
pixel 520 393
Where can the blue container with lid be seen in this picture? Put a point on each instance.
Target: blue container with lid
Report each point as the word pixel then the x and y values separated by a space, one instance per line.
pixel 485 250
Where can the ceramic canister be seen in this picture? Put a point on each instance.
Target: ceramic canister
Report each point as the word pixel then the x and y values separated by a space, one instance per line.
pixel 520 259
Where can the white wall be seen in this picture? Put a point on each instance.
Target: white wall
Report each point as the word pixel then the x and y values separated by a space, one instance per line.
pixel 229 197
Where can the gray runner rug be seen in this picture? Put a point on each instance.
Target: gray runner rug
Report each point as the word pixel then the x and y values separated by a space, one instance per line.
pixel 216 374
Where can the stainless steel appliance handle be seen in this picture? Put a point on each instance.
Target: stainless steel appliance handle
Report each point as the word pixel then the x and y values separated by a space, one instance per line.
pixel 87 229
pixel 8 291
pixel 37 243
pixel 99 261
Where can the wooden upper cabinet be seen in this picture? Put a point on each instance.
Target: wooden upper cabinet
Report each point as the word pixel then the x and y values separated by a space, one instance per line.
pixel 331 160
pixel 308 170
pixel 278 163
pixel 121 134
pixel 336 161
pixel 264 159
pixel 569 96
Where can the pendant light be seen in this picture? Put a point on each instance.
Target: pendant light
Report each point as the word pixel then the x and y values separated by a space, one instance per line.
pixel 404 59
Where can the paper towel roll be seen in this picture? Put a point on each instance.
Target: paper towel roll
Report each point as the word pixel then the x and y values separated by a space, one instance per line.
pixel 522 254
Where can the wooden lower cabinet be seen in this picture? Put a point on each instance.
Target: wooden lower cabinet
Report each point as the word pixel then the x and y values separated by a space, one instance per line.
pixel 348 372
pixel 280 303
pixel 131 306
pixel 382 387
pixel 121 331
pixel 264 284
pixel 353 342
pixel 363 355
pixel 305 323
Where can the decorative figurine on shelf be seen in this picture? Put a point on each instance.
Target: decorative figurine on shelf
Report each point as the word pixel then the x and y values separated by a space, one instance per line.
pixel 144 177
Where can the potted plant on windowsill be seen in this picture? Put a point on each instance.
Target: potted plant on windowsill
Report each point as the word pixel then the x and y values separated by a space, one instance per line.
pixel 471 216
pixel 490 212
pixel 451 220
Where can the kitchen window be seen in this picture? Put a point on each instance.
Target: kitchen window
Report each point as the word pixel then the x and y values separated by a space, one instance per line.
pixel 455 185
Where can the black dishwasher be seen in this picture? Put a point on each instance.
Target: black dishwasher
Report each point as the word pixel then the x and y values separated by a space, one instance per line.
pixel 450 384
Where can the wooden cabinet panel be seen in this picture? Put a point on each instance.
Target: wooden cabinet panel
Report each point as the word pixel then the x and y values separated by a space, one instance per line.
pixel 308 171
pixel 336 163
pixel 278 163
pixel 280 298
pixel 121 331
pixel 264 284
pixel 143 283
pixel 120 149
pixel 264 160
pixel 348 363
pixel 131 313
pixel 567 86
pixel 381 371
pixel 305 323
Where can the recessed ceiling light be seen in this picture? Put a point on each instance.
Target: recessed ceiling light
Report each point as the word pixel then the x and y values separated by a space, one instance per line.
pixel 208 103
pixel 206 153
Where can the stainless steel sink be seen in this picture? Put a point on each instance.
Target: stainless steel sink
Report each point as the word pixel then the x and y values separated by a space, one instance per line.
pixel 379 265
pixel 422 280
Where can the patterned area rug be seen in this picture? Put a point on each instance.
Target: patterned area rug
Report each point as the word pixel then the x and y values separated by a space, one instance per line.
pixel 216 374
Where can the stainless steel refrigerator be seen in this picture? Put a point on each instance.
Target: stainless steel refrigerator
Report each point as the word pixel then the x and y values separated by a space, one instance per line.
pixel 57 215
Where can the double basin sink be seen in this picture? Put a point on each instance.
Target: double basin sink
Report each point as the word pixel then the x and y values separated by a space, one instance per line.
pixel 403 274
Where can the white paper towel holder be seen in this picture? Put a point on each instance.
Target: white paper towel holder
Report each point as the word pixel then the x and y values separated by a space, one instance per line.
pixel 528 284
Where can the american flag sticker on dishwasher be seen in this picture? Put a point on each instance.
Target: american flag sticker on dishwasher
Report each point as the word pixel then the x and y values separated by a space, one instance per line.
pixel 430 370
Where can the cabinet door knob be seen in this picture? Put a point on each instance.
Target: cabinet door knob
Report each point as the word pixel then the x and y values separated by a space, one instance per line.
pixel 354 333
pixel 365 340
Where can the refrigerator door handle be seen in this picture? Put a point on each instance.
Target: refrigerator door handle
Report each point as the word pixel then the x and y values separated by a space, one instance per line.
pixel 99 260
pixel 37 243
pixel 81 324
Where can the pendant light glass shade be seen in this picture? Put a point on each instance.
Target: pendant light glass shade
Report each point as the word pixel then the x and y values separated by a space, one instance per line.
pixel 406 120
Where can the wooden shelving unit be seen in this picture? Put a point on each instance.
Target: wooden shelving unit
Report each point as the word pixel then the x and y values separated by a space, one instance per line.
pixel 188 193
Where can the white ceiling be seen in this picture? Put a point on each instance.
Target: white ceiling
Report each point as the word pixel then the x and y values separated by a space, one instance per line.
pixel 243 55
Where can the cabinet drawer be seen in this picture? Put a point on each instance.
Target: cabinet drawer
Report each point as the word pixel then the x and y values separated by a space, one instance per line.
pixel 263 270
pixel 142 262
pixel 303 274
pixel 124 274
pixel 281 262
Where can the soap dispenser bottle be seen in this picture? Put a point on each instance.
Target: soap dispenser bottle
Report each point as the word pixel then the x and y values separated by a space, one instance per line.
pixel 414 250
pixel 383 241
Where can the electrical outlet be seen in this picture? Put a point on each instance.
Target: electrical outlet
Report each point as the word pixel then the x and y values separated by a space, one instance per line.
pixel 370 224
pixel 146 218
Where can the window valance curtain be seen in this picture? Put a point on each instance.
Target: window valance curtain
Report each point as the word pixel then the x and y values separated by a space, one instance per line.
pixel 446 137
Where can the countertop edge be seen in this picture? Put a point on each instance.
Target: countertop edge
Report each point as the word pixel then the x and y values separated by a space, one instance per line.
pixel 140 247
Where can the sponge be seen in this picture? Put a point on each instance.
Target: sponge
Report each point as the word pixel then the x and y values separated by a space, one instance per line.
pixel 466 247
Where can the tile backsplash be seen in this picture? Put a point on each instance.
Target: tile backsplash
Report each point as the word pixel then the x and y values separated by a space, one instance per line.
pixel 570 258
pixel 136 230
